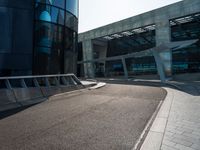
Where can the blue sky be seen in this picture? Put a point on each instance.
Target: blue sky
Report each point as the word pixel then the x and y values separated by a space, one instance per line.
pixel 96 13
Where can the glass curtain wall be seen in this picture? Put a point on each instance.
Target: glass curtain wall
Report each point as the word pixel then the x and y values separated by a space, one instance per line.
pixel 55 46
pixel 134 43
pixel 186 60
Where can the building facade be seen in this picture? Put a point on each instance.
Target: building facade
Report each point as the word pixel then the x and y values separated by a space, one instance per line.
pixel 38 37
pixel 172 23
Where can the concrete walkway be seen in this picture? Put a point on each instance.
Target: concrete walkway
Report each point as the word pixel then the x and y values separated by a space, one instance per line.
pixel 177 124
pixel 107 118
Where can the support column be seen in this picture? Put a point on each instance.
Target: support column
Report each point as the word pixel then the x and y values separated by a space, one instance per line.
pixel 88 55
pixel 160 68
pixel 125 68
pixel 163 35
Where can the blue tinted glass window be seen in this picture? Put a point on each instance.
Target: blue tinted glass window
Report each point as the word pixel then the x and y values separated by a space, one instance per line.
pixel 71 21
pixel 57 16
pixel 72 6
pixel 43 12
pixel 45 16
pixel 44 1
pixel 54 14
pixel 59 3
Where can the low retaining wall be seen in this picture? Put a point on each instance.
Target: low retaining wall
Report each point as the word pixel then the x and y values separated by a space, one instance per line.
pixel 7 100
pixel 22 91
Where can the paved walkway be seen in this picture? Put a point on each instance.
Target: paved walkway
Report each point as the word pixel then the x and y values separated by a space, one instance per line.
pixel 109 118
pixel 177 125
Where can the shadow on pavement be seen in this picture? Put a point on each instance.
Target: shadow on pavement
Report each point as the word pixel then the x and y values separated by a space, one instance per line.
pixel 192 88
pixel 11 112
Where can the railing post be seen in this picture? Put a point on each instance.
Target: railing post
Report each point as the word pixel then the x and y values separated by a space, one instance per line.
pixel 47 82
pixel 23 84
pixel 64 80
pixel 36 82
pixel 8 85
pixel 57 82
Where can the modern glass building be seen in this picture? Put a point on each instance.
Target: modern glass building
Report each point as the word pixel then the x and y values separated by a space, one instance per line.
pixel 38 37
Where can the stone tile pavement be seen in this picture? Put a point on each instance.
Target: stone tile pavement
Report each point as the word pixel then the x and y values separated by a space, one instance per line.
pixel 177 124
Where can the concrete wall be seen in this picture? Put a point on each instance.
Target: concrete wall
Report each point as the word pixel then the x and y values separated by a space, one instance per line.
pixel 16 38
pixel 169 12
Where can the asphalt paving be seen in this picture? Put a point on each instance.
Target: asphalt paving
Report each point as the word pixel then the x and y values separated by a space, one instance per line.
pixel 109 118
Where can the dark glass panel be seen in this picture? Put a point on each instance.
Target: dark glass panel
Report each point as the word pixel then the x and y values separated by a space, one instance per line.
pixel 186 60
pixel 5 30
pixel 141 66
pixel 71 21
pixel 54 14
pixel 53 42
pixel 44 34
pixel 41 61
pixel 59 3
pixel 68 40
pixel 72 6
pixel 114 68
pixel 58 37
pixel 131 44
pixel 43 12
pixel 49 50
pixel 44 1
pixel 61 17
pixel 70 50
pixel 49 14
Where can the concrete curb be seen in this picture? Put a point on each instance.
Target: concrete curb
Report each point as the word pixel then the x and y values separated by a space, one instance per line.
pixel 99 85
pixel 155 135
pixel 147 128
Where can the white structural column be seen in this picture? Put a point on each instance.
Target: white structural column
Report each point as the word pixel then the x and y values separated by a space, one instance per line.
pixel 88 55
pixel 125 68
pixel 163 35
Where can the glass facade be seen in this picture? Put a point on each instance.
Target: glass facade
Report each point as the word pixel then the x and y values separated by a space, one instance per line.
pixel 55 44
pixel 16 37
pixel 186 60
pixel 129 44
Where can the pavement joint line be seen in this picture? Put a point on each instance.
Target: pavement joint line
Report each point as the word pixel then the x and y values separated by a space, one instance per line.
pixel 146 130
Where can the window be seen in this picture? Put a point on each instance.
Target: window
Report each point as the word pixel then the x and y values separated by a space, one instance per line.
pixel 71 21
pixel 58 3
pixel 72 6
pixel 5 31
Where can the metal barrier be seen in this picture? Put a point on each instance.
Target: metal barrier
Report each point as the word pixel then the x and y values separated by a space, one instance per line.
pixel 27 90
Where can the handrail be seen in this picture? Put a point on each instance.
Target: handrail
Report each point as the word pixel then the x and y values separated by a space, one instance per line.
pixel 36 76
pixel 27 90
pixel 65 79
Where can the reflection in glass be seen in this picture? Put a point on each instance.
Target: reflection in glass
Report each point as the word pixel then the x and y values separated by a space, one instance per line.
pixel 58 3
pixel 45 16
pixel 72 6
pixel 55 38
pixel 186 60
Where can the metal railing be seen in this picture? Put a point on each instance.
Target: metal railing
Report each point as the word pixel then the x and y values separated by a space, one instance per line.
pixel 39 81
pixel 21 91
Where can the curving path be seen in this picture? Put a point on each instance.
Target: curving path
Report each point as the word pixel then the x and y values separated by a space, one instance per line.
pixel 109 118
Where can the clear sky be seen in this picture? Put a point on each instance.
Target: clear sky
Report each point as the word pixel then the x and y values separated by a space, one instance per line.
pixel 96 13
